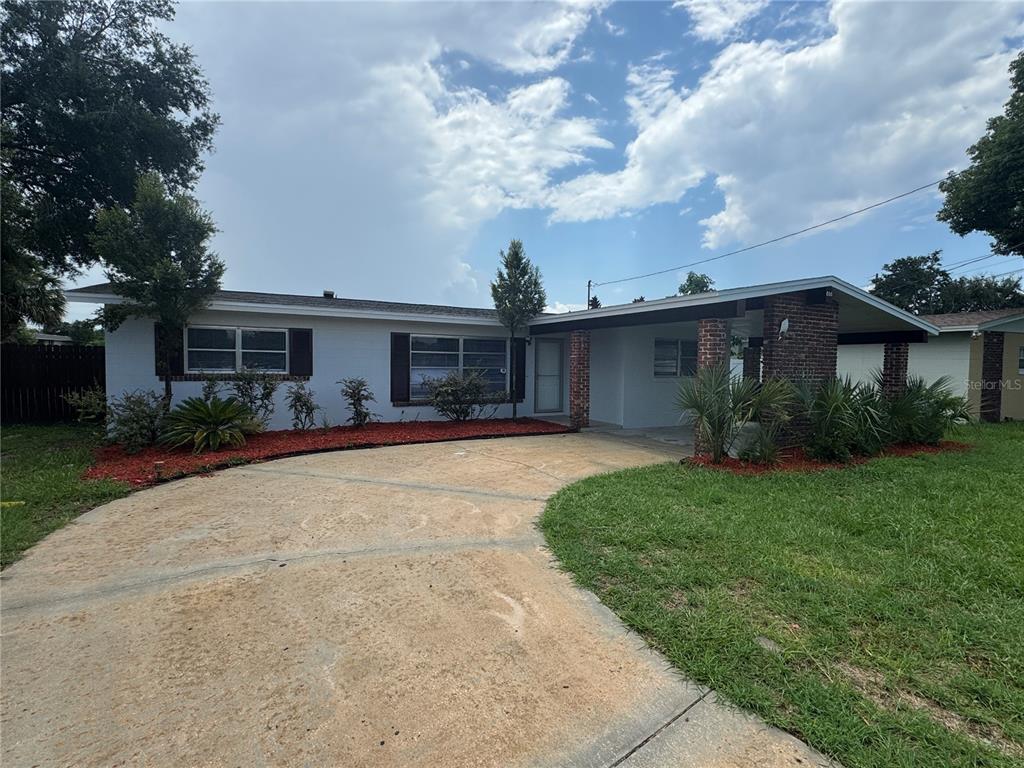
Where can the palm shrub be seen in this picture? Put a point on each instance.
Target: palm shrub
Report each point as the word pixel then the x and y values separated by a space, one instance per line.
pixel 723 404
pixel 208 424
pixel 924 413
pixel 830 412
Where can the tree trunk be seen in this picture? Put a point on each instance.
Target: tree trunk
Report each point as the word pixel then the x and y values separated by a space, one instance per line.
pixel 512 377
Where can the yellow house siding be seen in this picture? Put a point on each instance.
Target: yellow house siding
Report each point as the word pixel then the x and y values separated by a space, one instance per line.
pixel 1013 380
pixel 974 391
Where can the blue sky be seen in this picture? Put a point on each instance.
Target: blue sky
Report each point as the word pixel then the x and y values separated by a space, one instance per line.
pixel 390 150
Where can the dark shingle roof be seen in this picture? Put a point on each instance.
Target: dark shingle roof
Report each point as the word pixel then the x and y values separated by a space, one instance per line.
pixel 362 305
pixel 964 319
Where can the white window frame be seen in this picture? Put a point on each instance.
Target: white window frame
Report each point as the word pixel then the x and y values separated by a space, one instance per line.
pixel 678 374
pixel 506 367
pixel 238 329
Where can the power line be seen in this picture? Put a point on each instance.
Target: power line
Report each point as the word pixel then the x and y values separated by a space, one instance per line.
pixel 779 238
pixel 969 262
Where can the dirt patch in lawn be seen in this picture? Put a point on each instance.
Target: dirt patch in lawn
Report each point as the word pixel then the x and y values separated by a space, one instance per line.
pixel 872 685
pixel 156 464
pixel 796 460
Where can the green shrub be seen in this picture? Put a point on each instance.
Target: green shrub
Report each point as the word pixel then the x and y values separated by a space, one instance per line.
pixel 212 387
pixel 829 409
pixel 302 405
pixel 722 404
pixel 135 420
pixel 924 413
pixel 763 445
pixel 356 393
pixel 255 390
pixel 461 396
pixel 208 425
pixel 90 404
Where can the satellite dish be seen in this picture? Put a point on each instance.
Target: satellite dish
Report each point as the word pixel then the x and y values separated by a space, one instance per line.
pixel 783 328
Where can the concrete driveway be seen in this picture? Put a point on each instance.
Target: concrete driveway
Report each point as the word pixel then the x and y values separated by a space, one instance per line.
pixel 389 607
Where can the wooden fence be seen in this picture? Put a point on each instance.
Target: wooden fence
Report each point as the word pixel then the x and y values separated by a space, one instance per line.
pixel 34 380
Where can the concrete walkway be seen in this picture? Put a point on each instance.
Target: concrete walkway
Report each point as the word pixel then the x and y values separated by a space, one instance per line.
pixel 389 607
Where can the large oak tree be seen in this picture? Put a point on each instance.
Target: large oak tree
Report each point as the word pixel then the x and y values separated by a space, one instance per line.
pixel 94 94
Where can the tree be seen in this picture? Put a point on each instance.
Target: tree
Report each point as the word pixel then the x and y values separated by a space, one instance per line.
pixel 594 303
pixel 913 283
pixel 639 299
pixel 157 260
pixel 81 331
pixel 94 94
pixel 920 285
pixel 696 282
pixel 518 296
pixel 988 195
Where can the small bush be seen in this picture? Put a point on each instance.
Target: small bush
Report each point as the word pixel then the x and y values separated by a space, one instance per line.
pixel 135 420
pixel 829 410
pixel 255 390
pixel 924 413
pixel 463 396
pixel 302 405
pixel 90 404
pixel 212 387
pixel 208 425
pixel 763 445
pixel 356 393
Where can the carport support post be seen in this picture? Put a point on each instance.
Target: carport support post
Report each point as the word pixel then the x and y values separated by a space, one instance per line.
pixel 894 368
pixel 991 376
pixel 712 350
pixel 579 379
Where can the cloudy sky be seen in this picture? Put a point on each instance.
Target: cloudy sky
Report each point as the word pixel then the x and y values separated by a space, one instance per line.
pixel 390 150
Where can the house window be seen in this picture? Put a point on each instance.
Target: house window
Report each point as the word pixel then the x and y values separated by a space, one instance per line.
pixel 216 349
pixel 436 356
pixel 1020 360
pixel 674 358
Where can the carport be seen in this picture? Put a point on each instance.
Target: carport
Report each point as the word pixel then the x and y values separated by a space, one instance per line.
pixel 626 361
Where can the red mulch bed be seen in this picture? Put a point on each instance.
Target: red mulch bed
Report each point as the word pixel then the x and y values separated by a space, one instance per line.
pixel 139 468
pixel 795 460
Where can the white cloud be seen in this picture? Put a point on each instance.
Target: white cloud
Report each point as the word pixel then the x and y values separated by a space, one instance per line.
pixel 560 307
pixel 649 92
pixel 717 20
pixel 591 98
pixel 794 134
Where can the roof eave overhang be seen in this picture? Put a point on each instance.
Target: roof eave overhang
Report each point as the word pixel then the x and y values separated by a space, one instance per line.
pixel 292 309
pixel 728 303
pixel 1000 321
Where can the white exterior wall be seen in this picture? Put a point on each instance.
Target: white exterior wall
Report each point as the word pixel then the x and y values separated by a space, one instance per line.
pixel 948 354
pixel 342 348
pixel 623 387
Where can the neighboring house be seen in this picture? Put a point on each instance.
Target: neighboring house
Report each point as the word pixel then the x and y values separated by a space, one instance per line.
pixel 616 364
pixel 52 339
pixel 982 353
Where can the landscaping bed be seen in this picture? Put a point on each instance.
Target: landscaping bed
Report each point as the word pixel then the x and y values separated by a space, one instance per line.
pixel 875 610
pixel 797 460
pixel 141 469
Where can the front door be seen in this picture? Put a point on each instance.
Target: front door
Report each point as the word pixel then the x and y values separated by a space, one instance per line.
pixel 547 375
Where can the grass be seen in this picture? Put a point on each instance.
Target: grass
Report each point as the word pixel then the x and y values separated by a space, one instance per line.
pixel 875 611
pixel 42 486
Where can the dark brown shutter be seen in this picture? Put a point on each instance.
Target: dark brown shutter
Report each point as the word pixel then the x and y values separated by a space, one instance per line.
pixel 399 367
pixel 177 344
pixel 300 351
pixel 519 374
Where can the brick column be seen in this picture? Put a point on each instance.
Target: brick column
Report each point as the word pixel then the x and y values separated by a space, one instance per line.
pixel 991 376
pixel 712 342
pixel 579 379
pixel 894 368
pixel 808 350
pixel 752 363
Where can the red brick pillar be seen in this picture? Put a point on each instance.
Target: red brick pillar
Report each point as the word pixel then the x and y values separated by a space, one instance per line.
pixel 808 350
pixel 894 368
pixel 712 342
pixel 752 363
pixel 991 376
pixel 579 379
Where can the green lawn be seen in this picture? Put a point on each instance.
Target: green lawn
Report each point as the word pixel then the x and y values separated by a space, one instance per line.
pixel 42 467
pixel 877 611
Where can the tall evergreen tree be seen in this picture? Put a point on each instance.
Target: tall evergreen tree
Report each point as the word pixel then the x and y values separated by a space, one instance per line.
pixel 94 94
pixel 518 297
pixel 157 260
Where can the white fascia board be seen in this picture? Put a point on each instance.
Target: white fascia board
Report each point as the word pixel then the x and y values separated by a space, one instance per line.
pixel 291 309
pixel 739 294
pixel 992 324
